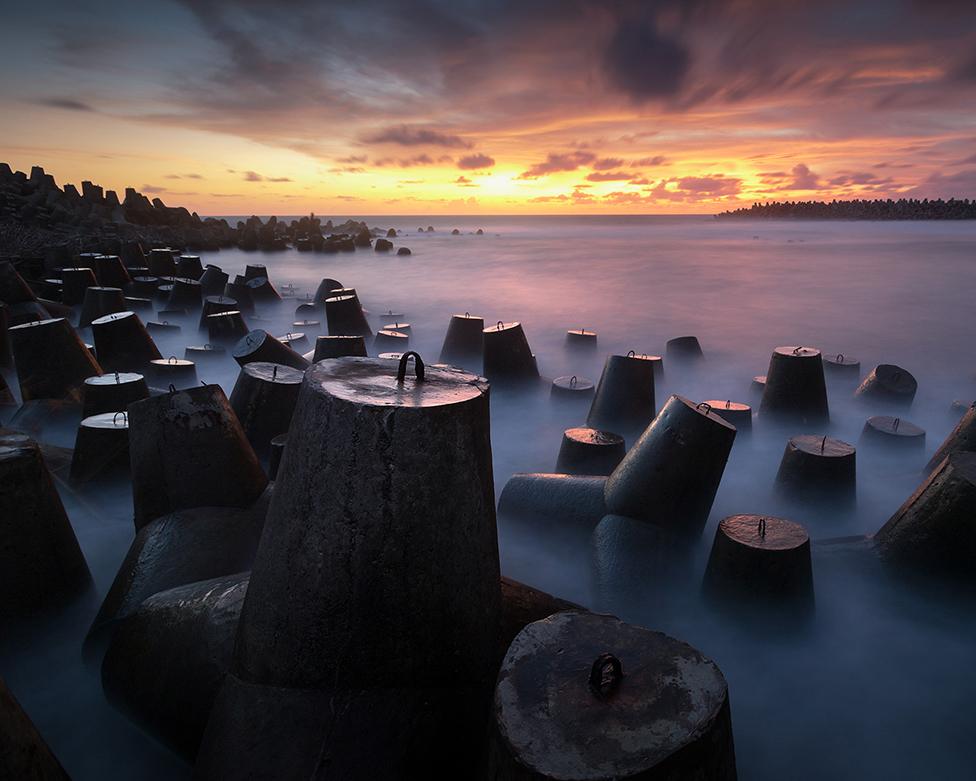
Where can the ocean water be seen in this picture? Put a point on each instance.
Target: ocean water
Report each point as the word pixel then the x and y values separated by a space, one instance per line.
pixel 879 683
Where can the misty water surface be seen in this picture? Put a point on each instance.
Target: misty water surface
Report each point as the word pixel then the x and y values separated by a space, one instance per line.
pixel 880 684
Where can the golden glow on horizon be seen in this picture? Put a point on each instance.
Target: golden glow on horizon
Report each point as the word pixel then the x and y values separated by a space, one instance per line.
pixel 711 162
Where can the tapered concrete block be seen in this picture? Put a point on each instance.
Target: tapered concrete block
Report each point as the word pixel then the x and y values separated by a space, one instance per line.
pixel 416 595
pixel 624 400
pixel 672 473
pixel 264 399
pixel 52 361
pixel 795 388
pixel 888 385
pixel 188 450
pixel 123 344
pixel 41 565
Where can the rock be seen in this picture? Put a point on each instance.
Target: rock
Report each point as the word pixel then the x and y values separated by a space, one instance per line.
pixel 383 245
pixel 403 251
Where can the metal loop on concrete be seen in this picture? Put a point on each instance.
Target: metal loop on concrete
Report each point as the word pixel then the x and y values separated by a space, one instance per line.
pixel 125 418
pixel 172 389
pixel 418 364
pixel 706 405
pixel 631 354
pixel 762 528
pixel 171 359
pixel 605 674
pixel 573 381
pixel 498 326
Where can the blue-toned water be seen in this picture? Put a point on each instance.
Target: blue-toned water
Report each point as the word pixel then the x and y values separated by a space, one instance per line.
pixel 880 685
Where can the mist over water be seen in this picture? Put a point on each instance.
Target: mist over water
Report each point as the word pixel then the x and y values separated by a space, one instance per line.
pixel 879 684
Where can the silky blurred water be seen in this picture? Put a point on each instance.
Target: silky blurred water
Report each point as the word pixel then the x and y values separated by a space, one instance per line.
pixel 878 685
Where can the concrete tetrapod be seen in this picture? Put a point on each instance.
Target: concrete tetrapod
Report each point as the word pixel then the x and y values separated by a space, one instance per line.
pixel 573 501
pixel 226 327
pixel 166 661
pixel 101 452
pixel 189 267
pixel 589 697
pixel 507 357
pixel 74 282
pixel 339 600
pixel 212 305
pixel 41 565
pixel 258 731
pixel 464 340
pixel 761 560
pixel 891 435
pixel 213 280
pixel 188 450
pixel 186 294
pixel 338 347
pixel 624 400
pixel 177 549
pixel 345 317
pixel 888 385
pixel 23 753
pixel 671 474
pixel 259 345
pixel 113 392
pixel 123 343
pixel 961 439
pixel 172 372
pixel 100 301
pixel 795 388
pixel 683 349
pixel 110 272
pixel 52 361
pixel 325 288
pixel 933 531
pixel 571 389
pixel 819 471
pixel 588 451
pixel 241 293
pixel 842 367
pixel 264 399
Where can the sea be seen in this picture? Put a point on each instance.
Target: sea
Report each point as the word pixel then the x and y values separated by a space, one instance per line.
pixel 878 683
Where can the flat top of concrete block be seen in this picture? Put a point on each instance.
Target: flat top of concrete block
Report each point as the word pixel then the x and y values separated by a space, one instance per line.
pixel 373 381
pixel 338 298
pixel 35 323
pixel 728 405
pixel 667 697
pixel 500 326
pixel 13 446
pixel 702 408
pixel 764 531
pixel 392 334
pixel 273 372
pixel 467 316
pixel 172 361
pixel 793 351
pixel 841 360
pixel 592 436
pixel 828 447
pixel 109 420
pixel 581 332
pixel 112 317
pixel 114 378
pixel 896 427
pixel 895 378
pixel 573 383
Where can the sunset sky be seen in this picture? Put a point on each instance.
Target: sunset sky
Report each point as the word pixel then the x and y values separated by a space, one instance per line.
pixel 493 106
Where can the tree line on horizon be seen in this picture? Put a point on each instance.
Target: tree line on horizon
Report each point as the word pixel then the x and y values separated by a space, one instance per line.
pixel 861 209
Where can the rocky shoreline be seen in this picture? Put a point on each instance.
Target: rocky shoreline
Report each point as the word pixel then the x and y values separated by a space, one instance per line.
pixel 39 218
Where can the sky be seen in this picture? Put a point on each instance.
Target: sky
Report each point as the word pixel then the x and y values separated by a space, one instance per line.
pixel 492 106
